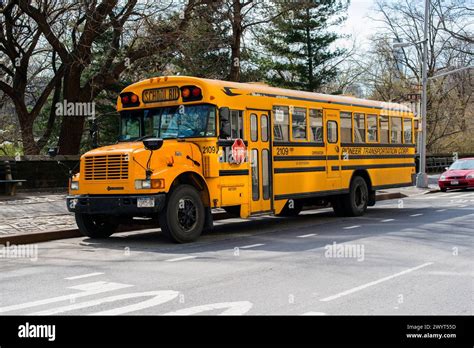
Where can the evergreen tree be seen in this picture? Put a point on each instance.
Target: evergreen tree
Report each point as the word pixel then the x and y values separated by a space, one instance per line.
pixel 298 47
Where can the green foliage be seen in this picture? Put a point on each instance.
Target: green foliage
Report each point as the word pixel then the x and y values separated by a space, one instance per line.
pixel 297 46
pixel 204 48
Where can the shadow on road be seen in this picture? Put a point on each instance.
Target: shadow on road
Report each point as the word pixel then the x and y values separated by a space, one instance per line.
pixel 280 234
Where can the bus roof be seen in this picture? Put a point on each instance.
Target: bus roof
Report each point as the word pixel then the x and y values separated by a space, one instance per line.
pixel 265 90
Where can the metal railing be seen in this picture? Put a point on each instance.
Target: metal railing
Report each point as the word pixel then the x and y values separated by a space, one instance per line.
pixel 438 162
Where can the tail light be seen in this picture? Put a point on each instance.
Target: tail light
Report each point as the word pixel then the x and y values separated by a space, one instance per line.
pixel 191 93
pixel 129 99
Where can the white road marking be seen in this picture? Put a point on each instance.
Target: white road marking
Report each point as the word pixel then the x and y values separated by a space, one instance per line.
pixel 84 276
pixel 181 258
pixel 251 246
pixel 462 206
pixel 427 197
pixel 364 286
pixel 314 313
pixel 351 227
pixel 232 308
pixel 440 210
pixel 87 290
pixel 307 235
pixel 159 297
pixel 387 220
pixel 416 215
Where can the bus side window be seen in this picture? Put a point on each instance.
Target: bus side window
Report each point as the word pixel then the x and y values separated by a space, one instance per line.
pixel 231 128
pixel 359 128
pixel 298 124
pixel 346 127
pixel 316 125
pixel 384 133
pixel 280 123
pixel 332 132
pixel 407 131
pixel 396 127
pixel 372 133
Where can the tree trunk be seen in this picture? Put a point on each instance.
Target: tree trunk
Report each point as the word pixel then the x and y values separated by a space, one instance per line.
pixel 27 137
pixel 236 41
pixel 72 127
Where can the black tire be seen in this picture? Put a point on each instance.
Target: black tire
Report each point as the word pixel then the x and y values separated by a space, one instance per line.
pixel 355 203
pixel 293 211
pixel 443 189
pixel 182 220
pixel 95 226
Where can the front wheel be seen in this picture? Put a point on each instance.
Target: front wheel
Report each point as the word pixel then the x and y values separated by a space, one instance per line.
pixel 95 226
pixel 182 220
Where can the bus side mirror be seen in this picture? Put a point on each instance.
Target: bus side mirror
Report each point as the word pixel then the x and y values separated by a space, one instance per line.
pixel 153 144
pixel 224 113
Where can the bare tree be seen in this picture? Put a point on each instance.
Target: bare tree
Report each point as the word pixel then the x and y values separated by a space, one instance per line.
pixel 394 74
pixel 120 30
pixel 25 74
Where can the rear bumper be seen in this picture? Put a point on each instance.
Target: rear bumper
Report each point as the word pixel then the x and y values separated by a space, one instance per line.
pixel 114 204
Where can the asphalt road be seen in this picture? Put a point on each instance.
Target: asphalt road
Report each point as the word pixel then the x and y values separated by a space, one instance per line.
pixel 410 256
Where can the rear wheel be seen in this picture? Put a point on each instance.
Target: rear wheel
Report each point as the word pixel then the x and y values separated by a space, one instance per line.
pixel 95 226
pixel 182 219
pixel 443 189
pixel 357 200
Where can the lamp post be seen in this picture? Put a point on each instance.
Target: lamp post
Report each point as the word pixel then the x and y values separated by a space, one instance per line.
pixel 421 177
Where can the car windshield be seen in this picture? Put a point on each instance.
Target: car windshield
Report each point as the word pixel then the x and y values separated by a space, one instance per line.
pixel 180 121
pixel 463 164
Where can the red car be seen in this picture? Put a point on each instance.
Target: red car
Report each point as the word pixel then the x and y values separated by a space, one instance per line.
pixel 459 175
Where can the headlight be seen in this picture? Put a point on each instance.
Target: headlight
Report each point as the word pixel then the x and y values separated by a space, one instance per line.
pixel 470 176
pixel 442 177
pixel 149 184
pixel 142 184
pixel 74 185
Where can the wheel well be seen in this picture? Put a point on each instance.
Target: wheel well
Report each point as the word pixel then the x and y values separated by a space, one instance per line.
pixel 365 175
pixel 195 180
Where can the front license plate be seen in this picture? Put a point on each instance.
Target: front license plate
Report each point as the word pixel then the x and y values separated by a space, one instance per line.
pixel 145 202
pixel 454 182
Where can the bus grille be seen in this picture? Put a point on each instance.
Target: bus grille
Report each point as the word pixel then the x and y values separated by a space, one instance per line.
pixel 106 167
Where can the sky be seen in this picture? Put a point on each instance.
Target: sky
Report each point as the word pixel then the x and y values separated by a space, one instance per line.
pixel 358 24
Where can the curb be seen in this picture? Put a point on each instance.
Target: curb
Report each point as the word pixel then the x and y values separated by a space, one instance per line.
pixel 44 236
pixel 387 196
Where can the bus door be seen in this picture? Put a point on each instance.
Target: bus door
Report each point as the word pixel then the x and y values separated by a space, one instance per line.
pixel 333 146
pixel 258 129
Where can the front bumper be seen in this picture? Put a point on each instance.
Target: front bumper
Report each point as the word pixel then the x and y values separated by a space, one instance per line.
pixel 462 183
pixel 114 204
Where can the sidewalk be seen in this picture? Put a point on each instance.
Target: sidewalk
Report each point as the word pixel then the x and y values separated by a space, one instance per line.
pixel 36 217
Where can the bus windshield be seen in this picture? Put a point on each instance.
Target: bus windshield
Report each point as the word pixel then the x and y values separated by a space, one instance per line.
pixel 180 121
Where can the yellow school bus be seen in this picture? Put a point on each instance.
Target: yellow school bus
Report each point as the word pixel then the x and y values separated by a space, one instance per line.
pixel 188 145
